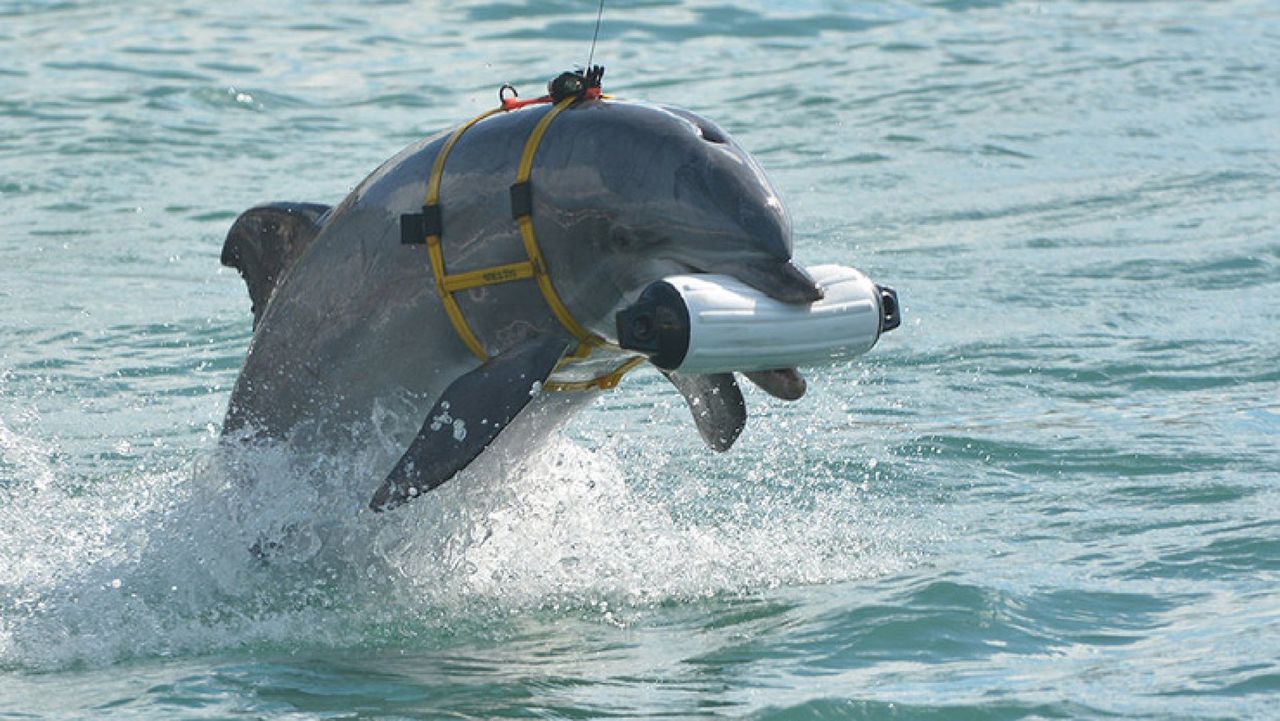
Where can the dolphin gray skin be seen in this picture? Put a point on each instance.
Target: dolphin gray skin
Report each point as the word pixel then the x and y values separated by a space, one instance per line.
pixel 347 318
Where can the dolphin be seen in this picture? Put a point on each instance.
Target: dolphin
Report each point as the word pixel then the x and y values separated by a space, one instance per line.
pixel 347 317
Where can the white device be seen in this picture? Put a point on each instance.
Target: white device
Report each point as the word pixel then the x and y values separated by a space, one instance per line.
pixel 704 323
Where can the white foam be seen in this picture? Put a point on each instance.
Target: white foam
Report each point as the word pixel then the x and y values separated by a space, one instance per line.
pixel 159 563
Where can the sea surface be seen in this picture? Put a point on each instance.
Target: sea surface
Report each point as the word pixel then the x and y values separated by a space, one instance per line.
pixel 1053 493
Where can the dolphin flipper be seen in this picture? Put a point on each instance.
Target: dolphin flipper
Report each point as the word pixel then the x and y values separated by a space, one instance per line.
pixel 784 383
pixel 717 405
pixel 265 241
pixel 468 417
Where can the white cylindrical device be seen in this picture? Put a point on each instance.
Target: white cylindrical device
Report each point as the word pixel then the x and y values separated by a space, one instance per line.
pixel 704 323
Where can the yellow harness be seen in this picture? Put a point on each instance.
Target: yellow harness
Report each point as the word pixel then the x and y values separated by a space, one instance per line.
pixel 414 227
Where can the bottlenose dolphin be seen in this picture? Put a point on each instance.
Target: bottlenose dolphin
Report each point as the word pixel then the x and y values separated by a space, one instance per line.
pixel 346 315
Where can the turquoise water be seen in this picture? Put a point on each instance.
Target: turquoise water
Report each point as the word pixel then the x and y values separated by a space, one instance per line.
pixel 1053 493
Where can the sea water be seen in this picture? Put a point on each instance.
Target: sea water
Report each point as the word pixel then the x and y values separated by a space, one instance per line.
pixel 1053 493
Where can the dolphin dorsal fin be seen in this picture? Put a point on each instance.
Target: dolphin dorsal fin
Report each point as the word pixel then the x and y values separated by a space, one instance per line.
pixel 265 241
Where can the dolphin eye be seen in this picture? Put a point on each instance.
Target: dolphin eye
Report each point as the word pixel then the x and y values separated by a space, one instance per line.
pixel 621 239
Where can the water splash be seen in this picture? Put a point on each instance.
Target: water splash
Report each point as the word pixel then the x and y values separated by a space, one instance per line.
pixel 256 548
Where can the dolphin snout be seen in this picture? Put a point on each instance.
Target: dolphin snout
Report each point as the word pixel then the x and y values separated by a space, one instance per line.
pixel 782 280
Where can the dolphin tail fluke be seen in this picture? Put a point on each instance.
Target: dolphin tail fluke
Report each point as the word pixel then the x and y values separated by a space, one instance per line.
pixel 265 241
pixel 468 417
pixel 717 405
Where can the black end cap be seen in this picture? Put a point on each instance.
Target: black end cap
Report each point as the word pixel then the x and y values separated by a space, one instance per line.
pixel 890 311
pixel 657 324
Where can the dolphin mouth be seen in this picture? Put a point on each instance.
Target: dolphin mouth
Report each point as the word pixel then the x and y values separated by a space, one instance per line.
pixel 781 280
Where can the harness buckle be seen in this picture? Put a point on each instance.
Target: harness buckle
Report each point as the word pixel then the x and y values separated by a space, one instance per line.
pixel 521 200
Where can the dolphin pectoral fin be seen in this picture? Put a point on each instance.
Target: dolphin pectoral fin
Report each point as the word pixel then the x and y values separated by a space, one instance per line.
pixel 717 405
pixel 468 417
pixel 784 383
pixel 265 241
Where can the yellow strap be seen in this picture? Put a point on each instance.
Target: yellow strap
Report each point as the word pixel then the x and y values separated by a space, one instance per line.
pixel 586 339
pixel 536 268
pixel 605 382
pixel 436 253
pixel 460 326
pixel 488 276
pixel 437 169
